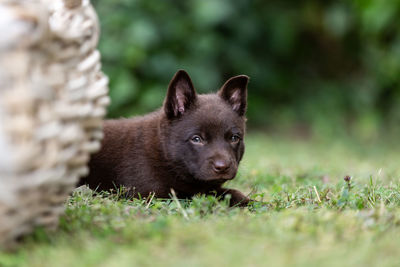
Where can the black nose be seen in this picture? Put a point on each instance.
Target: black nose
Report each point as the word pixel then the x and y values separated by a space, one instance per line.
pixel 220 166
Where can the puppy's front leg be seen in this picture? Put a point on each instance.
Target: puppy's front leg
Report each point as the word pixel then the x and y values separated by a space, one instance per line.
pixel 238 199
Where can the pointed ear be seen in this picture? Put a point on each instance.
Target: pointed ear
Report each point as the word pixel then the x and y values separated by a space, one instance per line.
pixel 234 91
pixel 180 96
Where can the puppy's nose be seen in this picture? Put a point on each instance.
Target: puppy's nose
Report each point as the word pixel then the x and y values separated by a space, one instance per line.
pixel 220 166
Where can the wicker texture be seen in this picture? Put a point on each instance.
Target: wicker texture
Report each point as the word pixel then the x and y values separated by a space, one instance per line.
pixel 53 97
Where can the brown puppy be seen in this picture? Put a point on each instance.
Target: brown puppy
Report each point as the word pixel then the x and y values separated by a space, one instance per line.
pixel 193 144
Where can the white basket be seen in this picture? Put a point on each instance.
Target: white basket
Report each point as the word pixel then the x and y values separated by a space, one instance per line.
pixel 53 97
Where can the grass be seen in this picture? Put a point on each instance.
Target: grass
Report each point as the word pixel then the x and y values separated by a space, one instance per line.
pixel 312 217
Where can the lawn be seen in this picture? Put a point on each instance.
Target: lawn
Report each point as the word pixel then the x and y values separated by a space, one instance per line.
pixel 310 216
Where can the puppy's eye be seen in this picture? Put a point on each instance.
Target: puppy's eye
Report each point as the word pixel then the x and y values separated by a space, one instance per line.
pixel 196 139
pixel 235 138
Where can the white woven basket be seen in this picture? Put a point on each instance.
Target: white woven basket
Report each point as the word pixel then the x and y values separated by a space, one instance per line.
pixel 53 98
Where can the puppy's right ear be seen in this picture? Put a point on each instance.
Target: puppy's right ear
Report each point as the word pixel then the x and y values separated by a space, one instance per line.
pixel 234 91
pixel 180 96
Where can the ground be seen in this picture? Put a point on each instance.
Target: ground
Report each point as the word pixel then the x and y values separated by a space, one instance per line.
pixel 310 216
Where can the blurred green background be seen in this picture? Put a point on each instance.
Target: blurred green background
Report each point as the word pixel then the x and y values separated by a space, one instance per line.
pixel 317 67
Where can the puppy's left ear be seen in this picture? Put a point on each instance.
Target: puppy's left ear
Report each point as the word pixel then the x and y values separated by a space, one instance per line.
pixel 180 96
pixel 234 91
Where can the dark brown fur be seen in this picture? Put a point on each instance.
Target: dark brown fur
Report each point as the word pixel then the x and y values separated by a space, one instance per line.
pixel 192 145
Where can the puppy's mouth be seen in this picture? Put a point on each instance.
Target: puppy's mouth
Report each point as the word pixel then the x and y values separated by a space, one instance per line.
pixel 221 178
pixel 211 177
pixel 225 178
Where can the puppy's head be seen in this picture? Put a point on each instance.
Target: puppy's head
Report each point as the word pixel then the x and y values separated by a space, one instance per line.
pixel 204 133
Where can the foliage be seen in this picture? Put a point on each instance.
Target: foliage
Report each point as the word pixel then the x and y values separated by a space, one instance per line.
pixel 327 66
pixel 310 216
